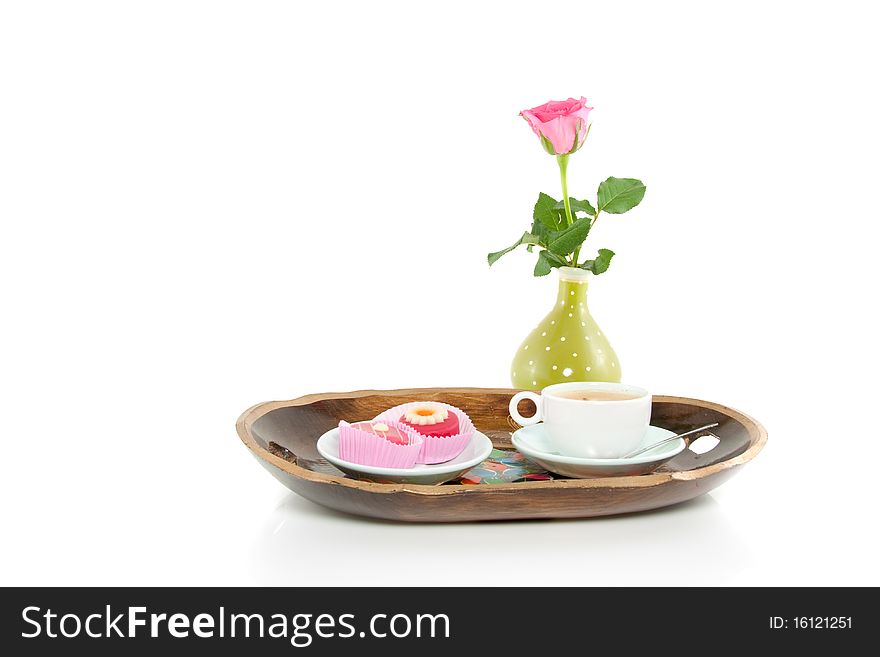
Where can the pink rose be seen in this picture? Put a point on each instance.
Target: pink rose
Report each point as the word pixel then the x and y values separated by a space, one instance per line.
pixel 561 124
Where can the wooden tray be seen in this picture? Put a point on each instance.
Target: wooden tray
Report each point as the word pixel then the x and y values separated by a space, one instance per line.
pixel 282 435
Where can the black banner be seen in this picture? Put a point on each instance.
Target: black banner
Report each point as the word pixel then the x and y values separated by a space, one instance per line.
pixel 110 621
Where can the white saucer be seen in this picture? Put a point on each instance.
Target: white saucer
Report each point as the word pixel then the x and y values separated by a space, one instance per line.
pixel 532 442
pixel 476 452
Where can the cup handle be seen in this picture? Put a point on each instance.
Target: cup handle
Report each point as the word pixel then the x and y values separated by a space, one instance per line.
pixel 516 399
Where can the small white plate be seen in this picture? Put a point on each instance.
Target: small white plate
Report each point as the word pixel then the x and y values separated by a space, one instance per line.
pixel 532 442
pixel 477 451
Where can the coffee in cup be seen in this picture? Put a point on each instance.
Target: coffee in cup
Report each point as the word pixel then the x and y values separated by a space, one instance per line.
pixel 589 419
pixel 596 395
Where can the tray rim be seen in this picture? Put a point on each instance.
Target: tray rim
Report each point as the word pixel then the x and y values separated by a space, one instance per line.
pixel 246 420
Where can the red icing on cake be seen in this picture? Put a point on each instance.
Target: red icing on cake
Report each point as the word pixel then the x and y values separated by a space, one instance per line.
pixel 448 427
pixel 392 434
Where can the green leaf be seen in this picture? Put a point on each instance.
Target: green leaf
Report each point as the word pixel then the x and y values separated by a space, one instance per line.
pixel 600 264
pixel 546 213
pixel 577 206
pixel 546 262
pixel 566 241
pixel 543 266
pixel 602 261
pixel 555 260
pixel 617 195
pixel 527 238
pixel 583 206
pixel 543 205
pixel 540 231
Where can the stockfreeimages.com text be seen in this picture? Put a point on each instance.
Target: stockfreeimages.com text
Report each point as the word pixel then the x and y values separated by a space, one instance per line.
pixel 300 629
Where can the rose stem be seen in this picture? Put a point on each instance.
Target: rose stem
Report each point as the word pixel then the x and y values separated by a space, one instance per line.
pixel 563 171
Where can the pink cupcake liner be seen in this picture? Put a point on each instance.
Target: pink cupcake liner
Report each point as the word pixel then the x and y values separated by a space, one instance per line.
pixel 435 449
pixel 357 446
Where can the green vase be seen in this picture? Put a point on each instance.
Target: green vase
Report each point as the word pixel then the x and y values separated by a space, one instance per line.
pixel 567 345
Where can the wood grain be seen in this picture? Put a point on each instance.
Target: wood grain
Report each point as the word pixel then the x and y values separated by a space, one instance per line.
pixel 282 436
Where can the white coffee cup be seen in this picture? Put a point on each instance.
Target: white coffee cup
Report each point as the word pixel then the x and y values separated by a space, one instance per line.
pixel 599 429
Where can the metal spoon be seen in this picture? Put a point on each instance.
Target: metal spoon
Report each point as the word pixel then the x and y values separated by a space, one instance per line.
pixel 642 450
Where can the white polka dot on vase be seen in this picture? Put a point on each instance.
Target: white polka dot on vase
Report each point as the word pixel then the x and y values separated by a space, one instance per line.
pixel 534 383
pixel 571 293
pixel 562 338
pixel 598 333
pixel 587 338
pixel 583 323
pixel 567 371
pixel 570 315
pixel 589 368
pixel 526 347
pixel 571 306
pixel 552 321
pixel 543 334
pixel 574 355
pixel 555 368
pixel 613 364
pixel 531 362
pixel 581 304
pixel 546 348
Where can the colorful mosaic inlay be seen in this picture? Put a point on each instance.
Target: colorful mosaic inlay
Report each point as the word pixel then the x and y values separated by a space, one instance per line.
pixel 503 467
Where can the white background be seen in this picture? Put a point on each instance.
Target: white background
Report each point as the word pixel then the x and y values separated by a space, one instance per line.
pixel 205 205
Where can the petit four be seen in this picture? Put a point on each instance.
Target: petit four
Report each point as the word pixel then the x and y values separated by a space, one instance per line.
pixel 445 430
pixel 431 420
pixel 381 443
pixel 393 434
